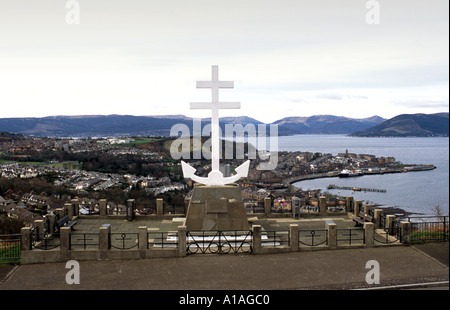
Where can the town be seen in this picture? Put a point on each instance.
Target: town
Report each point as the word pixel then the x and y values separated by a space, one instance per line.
pixel 39 174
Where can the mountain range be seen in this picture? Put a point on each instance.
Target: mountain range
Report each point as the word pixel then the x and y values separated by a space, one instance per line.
pixel 406 125
pixel 128 125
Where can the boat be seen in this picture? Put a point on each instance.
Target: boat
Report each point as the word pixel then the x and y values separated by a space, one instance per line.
pixel 350 173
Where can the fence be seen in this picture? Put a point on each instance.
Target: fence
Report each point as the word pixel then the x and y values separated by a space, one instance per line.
pixel 84 241
pixel 313 237
pixel 275 238
pixel 44 241
pixel 350 236
pixel 10 246
pixel 123 241
pixel 162 240
pixel 146 243
pixel 425 229
pixel 218 242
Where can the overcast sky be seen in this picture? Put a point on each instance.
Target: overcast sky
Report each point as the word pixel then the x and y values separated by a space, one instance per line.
pixel 286 57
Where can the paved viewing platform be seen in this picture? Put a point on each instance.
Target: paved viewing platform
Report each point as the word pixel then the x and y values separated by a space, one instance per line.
pixel 121 225
pixel 402 267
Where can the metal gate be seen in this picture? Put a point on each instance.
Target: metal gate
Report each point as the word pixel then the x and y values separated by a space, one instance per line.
pixel 218 242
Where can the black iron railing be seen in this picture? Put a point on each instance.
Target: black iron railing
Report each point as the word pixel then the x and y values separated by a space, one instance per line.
pixel 313 237
pixel 350 236
pixel 433 228
pixel 123 241
pixel 218 242
pixel 10 246
pixel 84 240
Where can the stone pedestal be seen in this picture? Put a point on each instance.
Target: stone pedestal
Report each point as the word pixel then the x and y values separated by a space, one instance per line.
pixel 216 208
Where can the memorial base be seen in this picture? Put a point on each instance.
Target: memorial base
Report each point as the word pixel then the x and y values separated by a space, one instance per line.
pixel 216 208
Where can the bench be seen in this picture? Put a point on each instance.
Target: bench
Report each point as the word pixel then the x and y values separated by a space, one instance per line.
pixel 362 219
pixel 65 222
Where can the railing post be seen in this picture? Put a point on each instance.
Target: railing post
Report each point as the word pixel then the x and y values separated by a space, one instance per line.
pixel 182 232
pixel 26 238
pixel 369 230
pixel 59 212
pixel 293 238
pixel 256 239
pixel 102 207
pixel 377 216
pixel 75 207
pixel 322 204
pixel 159 207
pixel 358 206
pixel 51 223
pixel 130 209
pixel 390 223
pixel 367 208
pixel 348 203
pixel 405 232
pixel 143 241
pixel 267 206
pixel 64 238
pixel 332 235
pixel 39 225
pixel 445 228
pixel 103 241
pixel 68 210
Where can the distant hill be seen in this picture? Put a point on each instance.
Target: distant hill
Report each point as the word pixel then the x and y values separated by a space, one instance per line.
pixel 404 125
pixel 324 124
pixel 91 125
pixel 106 125
pixel 129 125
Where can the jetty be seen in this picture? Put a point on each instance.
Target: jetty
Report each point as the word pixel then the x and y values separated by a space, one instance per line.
pixel 356 189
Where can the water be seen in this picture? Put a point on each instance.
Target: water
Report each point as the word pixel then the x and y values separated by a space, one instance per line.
pixel 416 192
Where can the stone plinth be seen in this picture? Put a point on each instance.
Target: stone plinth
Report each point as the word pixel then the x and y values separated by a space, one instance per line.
pixel 216 207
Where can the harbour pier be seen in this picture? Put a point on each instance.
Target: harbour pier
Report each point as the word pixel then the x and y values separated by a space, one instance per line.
pixel 356 189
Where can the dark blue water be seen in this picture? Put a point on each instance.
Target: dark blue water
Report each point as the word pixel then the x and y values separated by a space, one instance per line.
pixel 416 192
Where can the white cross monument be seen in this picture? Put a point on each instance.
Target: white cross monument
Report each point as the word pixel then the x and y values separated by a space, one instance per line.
pixel 215 177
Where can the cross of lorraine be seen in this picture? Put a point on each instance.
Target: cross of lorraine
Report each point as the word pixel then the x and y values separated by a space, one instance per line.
pixel 215 177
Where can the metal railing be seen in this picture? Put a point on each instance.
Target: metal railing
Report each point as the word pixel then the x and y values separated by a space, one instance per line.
pixel 218 242
pixel 123 241
pixel 10 247
pixel 275 238
pixel 350 236
pixel 162 240
pixel 389 235
pixel 432 228
pixel 44 241
pixel 313 237
pixel 84 240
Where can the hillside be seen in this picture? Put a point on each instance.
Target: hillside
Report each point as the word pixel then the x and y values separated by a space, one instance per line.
pixel 128 125
pixel 324 124
pixel 404 125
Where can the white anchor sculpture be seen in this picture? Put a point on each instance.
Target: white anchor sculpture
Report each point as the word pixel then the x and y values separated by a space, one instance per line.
pixel 215 177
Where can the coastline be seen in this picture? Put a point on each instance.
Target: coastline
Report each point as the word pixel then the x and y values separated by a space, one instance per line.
pixel 405 168
pixel 395 210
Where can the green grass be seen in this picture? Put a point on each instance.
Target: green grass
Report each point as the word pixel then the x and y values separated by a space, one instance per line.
pixel 10 254
pixel 423 236
pixel 138 142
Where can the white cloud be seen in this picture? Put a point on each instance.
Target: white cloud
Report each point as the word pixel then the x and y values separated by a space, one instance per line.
pixel 286 57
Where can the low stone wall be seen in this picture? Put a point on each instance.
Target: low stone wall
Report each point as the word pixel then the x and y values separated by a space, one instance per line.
pixel 32 251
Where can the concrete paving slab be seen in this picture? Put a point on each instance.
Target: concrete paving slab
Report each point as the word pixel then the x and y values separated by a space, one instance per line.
pixel 328 269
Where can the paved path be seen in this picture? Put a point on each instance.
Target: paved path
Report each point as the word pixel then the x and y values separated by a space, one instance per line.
pixel 328 269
